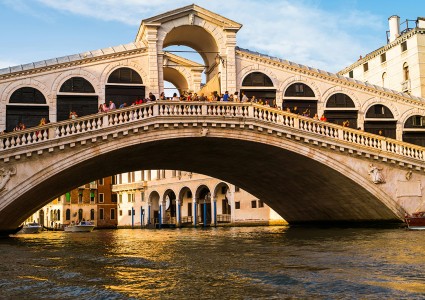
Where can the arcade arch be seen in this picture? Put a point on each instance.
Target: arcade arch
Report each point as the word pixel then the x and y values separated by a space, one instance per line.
pixel 380 120
pixel 300 99
pixel 27 105
pixel 414 130
pixel 341 108
pixel 203 196
pixel 124 85
pixel 153 212
pixel 76 94
pixel 257 85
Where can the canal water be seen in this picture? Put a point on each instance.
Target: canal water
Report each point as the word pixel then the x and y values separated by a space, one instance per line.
pixel 215 263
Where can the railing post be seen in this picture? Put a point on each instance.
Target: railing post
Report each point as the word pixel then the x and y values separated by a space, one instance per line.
pixel 155 110
pixel 52 133
pixel 204 109
pixel 105 122
pixel 384 145
pixel 251 111
pixel 297 123
pixel 340 134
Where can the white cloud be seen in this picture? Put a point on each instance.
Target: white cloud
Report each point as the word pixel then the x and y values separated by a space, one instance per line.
pixel 299 31
pixel 6 64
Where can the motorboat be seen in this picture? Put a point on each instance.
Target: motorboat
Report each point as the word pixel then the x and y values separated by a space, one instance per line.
pixel 31 228
pixel 416 221
pixel 83 226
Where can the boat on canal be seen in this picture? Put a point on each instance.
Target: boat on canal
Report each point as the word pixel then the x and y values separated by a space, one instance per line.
pixel 31 228
pixel 83 226
pixel 416 221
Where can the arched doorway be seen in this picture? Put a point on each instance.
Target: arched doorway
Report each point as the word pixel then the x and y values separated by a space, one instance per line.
pixel 223 209
pixel 170 208
pixel 124 86
pixel 26 105
pixel 41 217
pixel 340 108
pixel 259 86
pixel 153 208
pixel 186 209
pixel 76 94
pixel 414 130
pixel 299 98
pixel 380 120
pixel 204 205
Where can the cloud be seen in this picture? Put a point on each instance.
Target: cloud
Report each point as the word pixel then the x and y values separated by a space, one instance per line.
pixel 300 31
pixel 6 64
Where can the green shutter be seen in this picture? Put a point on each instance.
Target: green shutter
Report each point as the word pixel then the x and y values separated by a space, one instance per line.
pixel 91 194
pixel 68 197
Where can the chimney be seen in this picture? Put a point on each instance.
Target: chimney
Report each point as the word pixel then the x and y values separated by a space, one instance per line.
pixel 420 22
pixel 394 22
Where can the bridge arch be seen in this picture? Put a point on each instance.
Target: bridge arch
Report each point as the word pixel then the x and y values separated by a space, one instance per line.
pixel 60 80
pixel 224 148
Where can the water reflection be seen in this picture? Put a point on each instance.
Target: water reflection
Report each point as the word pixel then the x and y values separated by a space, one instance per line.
pixel 221 263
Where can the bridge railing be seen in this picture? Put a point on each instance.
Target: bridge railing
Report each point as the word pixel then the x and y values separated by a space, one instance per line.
pixel 255 111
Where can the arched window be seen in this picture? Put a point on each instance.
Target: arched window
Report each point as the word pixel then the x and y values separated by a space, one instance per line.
pixel 58 215
pixel 384 77
pixel 68 214
pixel 340 100
pixel 80 214
pixel 379 111
pixel 405 72
pixel 124 86
pixel 76 85
pixel 299 90
pixel 92 214
pixel 27 95
pixel 125 75
pixel 257 79
pixel 414 130
pixel 27 106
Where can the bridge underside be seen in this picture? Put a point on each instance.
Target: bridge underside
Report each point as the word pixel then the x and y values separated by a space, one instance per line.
pixel 300 189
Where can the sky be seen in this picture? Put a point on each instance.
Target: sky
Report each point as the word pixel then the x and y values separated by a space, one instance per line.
pixel 324 34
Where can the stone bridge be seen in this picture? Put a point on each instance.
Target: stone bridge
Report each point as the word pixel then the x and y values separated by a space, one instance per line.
pixel 308 171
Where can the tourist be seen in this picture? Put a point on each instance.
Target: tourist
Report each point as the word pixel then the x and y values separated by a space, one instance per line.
pixel 111 105
pixel 73 115
pixel 226 96
pixel 105 107
pixel 175 98
pixel 162 96
pixel 100 109
pixel 323 118
pixel 316 117
pixel 152 97
pixel 123 105
pixel 346 123
pixel 295 110
pixel 244 97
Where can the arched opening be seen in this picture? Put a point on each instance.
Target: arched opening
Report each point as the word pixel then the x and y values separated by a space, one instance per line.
pixel 257 87
pixel 68 215
pixel 299 98
pixel 384 79
pixel 124 85
pixel 27 106
pixel 380 120
pixel 78 95
pixel 153 214
pixel 224 211
pixel 195 49
pixel 177 82
pixel 340 108
pixel 41 217
pixel 185 196
pixel 414 130
pixel 170 208
pixel 204 205
pixel 92 214
pixel 80 214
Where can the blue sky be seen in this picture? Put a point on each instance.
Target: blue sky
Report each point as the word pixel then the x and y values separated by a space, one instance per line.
pixel 326 34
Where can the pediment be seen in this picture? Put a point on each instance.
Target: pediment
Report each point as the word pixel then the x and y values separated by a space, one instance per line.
pixel 191 11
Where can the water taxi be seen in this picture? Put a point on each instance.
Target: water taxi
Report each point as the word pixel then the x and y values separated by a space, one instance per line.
pixel 83 226
pixel 416 221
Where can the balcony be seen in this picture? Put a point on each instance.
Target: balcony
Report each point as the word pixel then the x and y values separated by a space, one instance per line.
pixel 405 86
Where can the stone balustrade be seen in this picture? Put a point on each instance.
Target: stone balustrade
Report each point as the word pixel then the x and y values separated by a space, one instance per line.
pixel 173 109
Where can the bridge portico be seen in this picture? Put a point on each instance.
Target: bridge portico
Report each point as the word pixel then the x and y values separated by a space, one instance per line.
pixel 306 170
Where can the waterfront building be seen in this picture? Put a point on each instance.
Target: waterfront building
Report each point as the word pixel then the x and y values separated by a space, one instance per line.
pixel 156 198
pixel 399 65
pixel 93 201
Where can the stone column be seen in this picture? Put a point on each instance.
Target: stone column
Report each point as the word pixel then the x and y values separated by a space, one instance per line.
pixel 230 195
pixel 228 70
pixel 195 211
pixel 154 60
pixel 214 211
pixel 178 212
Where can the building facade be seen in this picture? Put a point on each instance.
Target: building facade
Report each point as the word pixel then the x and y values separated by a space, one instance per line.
pixel 155 198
